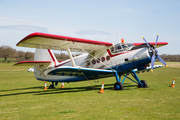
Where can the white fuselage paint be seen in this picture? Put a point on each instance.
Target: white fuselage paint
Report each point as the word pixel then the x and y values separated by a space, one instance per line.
pixel 86 61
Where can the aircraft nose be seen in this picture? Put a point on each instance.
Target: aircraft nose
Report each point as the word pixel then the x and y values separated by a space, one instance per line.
pixel 150 52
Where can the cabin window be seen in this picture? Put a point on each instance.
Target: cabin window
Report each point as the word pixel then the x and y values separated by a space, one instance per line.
pixel 102 59
pixel 98 60
pixel 88 63
pixel 94 62
pixel 108 58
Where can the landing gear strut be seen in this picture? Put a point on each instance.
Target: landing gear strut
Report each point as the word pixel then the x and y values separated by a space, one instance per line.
pixel 119 85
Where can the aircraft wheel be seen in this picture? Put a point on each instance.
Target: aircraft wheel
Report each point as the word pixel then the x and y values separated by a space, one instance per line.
pixel 56 83
pixel 143 85
pixel 51 86
pixel 118 86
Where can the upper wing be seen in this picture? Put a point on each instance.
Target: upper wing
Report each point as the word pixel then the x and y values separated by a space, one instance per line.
pixel 159 44
pixel 57 42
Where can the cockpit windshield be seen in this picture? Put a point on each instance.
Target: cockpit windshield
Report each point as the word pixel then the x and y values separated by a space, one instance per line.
pixel 121 47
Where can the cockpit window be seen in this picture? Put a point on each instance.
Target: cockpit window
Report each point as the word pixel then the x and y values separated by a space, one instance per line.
pixel 129 45
pixel 121 47
pixel 124 46
pixel 132 45
pixel 117 48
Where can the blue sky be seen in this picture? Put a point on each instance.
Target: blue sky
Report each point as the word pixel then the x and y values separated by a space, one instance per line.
pixel 99 20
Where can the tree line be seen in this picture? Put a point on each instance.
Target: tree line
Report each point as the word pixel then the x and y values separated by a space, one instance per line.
pixel 171 58
pixel 8 54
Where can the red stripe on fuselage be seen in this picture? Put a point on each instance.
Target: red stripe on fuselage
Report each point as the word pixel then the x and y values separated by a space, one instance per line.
pixel 55 60
pixel 116 54
pixel 52 57
pixel 62 64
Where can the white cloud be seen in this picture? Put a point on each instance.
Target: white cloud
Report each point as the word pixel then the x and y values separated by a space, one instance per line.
pixel 25 28
pixel 6 20
pixel 127 10
pixel 19 23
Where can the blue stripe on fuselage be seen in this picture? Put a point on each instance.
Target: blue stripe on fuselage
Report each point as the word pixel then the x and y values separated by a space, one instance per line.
pixel 70 74
pixel 123 68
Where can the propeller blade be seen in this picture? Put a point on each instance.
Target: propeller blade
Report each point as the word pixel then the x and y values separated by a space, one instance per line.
pixel 156 40
pixel 161 60
pixel 147 43
pixel 152 61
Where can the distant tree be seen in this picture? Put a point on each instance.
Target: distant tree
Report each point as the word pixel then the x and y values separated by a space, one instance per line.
pixel 7 52
pixel 170 58
pixel 20 55
pixel 29 56
pixel 61 57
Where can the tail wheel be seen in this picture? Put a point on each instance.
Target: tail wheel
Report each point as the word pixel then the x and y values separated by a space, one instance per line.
pixel 143 84
pixel 118 86
pixel 52 86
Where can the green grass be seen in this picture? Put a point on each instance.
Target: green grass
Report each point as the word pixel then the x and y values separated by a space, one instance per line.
pixel 8 60
pixel 23 97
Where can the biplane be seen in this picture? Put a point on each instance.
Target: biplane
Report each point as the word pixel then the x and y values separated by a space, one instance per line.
pixel 99 59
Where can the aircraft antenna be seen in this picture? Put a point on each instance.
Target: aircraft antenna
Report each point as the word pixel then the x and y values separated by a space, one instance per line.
pixel 114 41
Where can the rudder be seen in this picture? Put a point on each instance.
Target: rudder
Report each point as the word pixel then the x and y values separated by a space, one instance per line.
pixel 45 55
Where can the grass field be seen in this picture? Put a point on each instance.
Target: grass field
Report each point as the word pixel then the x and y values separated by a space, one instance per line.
pixel 23 97
pixel 8 60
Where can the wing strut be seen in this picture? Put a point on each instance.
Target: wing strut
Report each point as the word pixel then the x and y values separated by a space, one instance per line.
pixel 71 58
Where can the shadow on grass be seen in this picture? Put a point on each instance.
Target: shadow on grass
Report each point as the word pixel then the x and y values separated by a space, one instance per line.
pixel 38 90
pixel 38 87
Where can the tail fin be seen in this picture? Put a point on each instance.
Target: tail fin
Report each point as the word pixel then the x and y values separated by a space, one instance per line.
pixel 45 55
pixel 43 59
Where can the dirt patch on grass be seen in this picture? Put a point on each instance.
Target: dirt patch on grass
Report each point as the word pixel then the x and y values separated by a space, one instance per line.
pixel 174 65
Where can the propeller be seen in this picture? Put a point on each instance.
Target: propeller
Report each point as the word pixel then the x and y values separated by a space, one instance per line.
pixel 155 53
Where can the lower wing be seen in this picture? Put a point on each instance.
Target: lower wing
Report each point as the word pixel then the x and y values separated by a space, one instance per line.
pixel 147 69
pixel 82 72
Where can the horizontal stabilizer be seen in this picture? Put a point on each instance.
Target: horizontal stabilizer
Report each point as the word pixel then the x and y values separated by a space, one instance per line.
pixel 32 63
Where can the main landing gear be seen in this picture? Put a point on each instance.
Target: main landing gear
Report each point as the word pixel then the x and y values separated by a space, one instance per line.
pixel 52 85
pixel 119 85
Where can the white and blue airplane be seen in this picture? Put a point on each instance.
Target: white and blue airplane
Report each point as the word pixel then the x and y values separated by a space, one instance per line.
pixel 100 59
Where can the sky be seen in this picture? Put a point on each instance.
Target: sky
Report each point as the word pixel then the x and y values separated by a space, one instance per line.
pixel 102 20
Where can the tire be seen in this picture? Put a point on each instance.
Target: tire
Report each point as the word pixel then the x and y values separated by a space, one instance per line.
pixel 51 86
pixel 143 85
pixel 118 86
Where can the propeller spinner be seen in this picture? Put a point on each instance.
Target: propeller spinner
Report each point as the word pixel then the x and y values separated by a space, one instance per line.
pixel 155 53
